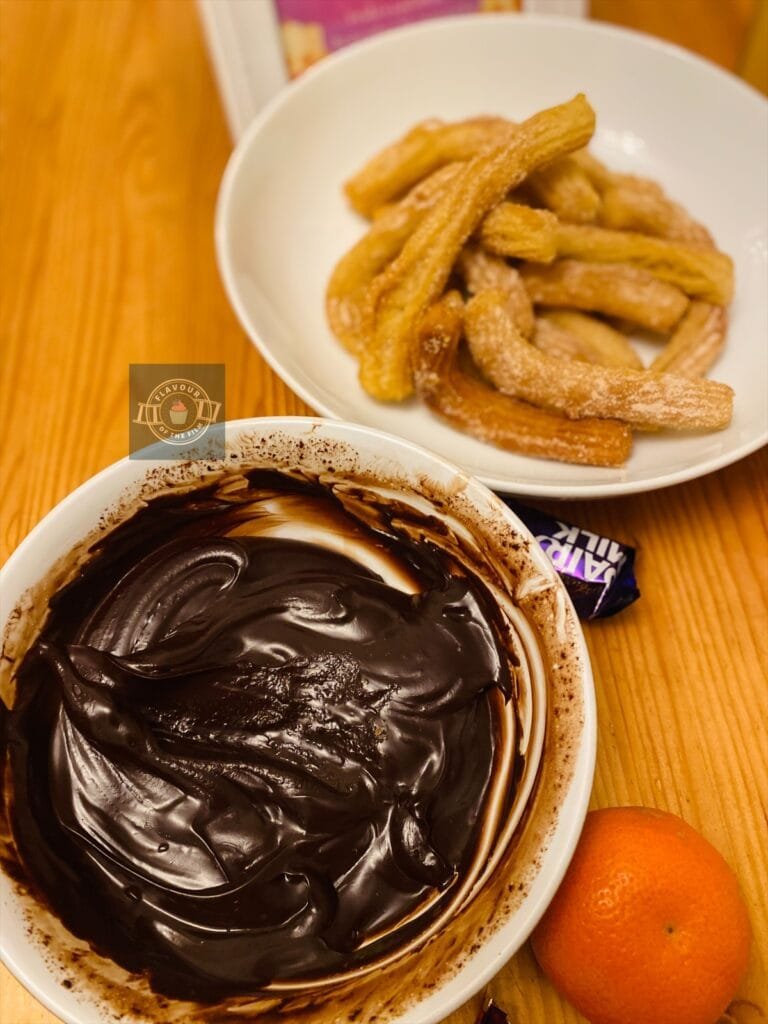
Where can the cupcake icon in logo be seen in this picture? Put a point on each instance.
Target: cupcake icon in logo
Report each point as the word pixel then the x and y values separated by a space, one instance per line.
pixel 178 410
pixel 178 413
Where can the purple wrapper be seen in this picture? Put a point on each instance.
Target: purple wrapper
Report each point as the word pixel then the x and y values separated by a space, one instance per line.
pixel 493 1015
pixel 598 572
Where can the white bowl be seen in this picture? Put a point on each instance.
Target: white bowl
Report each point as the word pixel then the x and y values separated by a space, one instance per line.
pixel 564 776
pixel 282 221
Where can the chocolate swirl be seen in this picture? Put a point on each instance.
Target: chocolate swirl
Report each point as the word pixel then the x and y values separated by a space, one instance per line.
pixel 239 757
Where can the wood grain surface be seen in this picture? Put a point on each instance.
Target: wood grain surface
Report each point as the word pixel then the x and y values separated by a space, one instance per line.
pixel 113 145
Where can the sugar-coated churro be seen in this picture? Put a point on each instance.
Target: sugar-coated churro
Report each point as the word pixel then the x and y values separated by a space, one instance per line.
pixel 513 230
pixel 639 204
pixel 578 389
pixel 703 273
pixel 424 149
pixel 628 208
pixel 564 188
pixel 696 343
pixel 518 231
pixel 481 270
pixel 561 185
pixel 391 227
pixel 543 243
pixel 399 296
pixel 605 345
pixel 611 288
pixel 482 411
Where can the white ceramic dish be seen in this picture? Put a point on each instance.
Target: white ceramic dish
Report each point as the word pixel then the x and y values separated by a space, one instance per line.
pixel 282 221
pixel 74 519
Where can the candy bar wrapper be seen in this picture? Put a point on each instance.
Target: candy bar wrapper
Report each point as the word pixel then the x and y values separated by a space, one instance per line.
pixel 493 1015
pixel 598 572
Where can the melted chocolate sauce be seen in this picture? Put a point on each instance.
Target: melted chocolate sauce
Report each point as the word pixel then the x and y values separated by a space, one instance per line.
pixel 238 757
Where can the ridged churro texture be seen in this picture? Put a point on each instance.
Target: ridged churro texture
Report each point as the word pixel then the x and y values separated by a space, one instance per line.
pixel 391 228
pixel 481 270
pixel 577 389
pixel 696 343
pixel 564 188
pixel 521 232
pixel 473 406
pixel 516 231
pixel 603 343
pixel 616 289
pixel 424 149
pixel 401 294
pixel 639 204
pixel 700 272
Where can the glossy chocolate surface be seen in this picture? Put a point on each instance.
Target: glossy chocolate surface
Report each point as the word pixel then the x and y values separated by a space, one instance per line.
pixel 238 756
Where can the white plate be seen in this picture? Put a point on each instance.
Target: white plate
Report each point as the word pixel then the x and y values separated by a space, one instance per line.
pixel 282 221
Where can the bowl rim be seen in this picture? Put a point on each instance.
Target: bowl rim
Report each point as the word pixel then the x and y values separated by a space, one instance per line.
pixel 508 937
pixel 328 66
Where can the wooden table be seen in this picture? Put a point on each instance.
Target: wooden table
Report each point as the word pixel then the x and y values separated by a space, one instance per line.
pixel 113 144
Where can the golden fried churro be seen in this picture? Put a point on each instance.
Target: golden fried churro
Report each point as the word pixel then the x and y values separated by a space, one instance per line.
pixel 579 389
pixel 514 230
pixel 564 188
pixel 481 270
pixel 628 208
pixel 588 342
pixel 425 193
pixel 700 272
pixel 639 204
pixel 696 343
pixel 421 151
pixel 618 290
pixel 561 186
pixel 401 294
pixel 385 238
pixel 559 342
pixel 570 386
pixel 605 345
pixel 471 405
pixel 600 176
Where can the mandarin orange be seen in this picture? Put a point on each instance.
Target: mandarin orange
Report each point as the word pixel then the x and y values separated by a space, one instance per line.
pixel 648 927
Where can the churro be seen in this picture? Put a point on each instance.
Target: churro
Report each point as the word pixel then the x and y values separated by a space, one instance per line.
pixel 518 231
pixel 424 149
pixel 700 272
pixel 399 296
pixel 391 227
pixel 603 344
pixel 639 204
pixel 512 230
pixel 643 399
pixel 628 208
pixel 558 341
pixel 696 343
pixel 564 188
pixel 544 241
pixel 472 406
pixel 611 288
pixel 480 270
